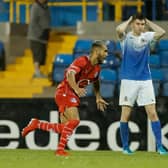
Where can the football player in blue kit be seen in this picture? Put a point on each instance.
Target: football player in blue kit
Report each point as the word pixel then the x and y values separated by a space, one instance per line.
pixel 135 75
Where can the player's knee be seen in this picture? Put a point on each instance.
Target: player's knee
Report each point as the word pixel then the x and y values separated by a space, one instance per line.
pixel 75 122
pixel 125 117
pixel 153 116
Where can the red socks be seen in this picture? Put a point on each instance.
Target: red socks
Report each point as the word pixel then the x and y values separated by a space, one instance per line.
pixel 55 127
pixel 66 132
pixel 64 129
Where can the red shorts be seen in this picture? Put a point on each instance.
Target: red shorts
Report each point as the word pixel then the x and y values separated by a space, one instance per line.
pixel 65 98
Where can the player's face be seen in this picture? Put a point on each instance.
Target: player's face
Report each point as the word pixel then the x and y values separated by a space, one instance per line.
pixel 102 54
pixel 138 26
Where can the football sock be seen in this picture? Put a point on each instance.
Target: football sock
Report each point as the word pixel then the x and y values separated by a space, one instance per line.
pixel 156 128
pixel 124 133
pixel 66 132
pixel 55 127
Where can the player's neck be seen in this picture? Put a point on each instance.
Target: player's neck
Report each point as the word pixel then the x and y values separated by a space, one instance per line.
pixel 93 60
pixel 135 34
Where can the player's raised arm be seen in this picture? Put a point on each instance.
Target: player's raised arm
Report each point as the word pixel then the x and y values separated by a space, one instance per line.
pixel 159 32
pixel 121 28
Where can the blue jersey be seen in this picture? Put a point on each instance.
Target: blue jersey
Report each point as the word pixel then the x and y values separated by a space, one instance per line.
pixel 135 56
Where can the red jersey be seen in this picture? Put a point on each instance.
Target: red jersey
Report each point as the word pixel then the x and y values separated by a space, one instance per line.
pixel 85 73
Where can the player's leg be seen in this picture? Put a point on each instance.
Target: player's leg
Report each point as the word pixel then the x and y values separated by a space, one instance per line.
pixel 38 50
pixel 60 100
pixel 31 126
pixel 128 94
pixel 124 130
pixel 42 125
pixel 156 127
pixel 71 120
pixel 146 98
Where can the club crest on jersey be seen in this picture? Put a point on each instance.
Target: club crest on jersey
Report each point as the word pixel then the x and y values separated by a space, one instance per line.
pixel 73 100
pixel 143 40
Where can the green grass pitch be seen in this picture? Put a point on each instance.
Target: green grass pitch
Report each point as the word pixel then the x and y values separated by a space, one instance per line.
pixel 25 158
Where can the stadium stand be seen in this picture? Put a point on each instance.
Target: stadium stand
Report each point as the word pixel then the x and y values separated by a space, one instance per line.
pixel 108 80
pixel 17 81
pixel 157 77
pixel 111 45
pixel 89 90
pixel 162 50
pixel 82 47
pixel 75 45
pixel 163 45
pixel 61 62
pixel 154 61
pixel 165 89
pixel 164 58
pixel 165 81
pixel 111 61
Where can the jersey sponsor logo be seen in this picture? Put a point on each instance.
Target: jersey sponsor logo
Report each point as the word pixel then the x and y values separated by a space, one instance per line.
pixel 83 83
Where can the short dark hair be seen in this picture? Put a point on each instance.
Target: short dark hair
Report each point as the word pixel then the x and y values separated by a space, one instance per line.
pixel 139 16
pixel 98 43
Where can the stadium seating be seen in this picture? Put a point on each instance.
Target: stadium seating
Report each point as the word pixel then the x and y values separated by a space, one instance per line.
pixel 164 58
pixel 118 46
pixel 162 50
pixel 157 78
pixel 111 47
pixel 163 45
pixel 165 81
pixel 21 72
pixel 17 82
pixel 165 89
pixel 63 59
pixel 61 62
pixel 108 79
pixel 154 61
pixel 111 61
pixel 89 90
pixel 82 47
pixel 165 74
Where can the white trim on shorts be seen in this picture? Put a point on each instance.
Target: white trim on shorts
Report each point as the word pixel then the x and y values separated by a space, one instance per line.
pixel 132 91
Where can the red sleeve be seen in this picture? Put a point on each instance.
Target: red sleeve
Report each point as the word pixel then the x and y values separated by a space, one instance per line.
pixel 78 64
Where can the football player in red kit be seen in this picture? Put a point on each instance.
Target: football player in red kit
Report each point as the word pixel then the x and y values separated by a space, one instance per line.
pixel 83 71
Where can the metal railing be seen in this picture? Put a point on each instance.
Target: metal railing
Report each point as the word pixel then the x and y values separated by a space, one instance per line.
pixel 83 3
pixel 118 4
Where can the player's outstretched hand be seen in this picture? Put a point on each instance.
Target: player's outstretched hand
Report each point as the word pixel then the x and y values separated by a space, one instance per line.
pixel 101 104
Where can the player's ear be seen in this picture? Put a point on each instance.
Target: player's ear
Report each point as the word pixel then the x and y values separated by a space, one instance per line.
pixel 96 51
